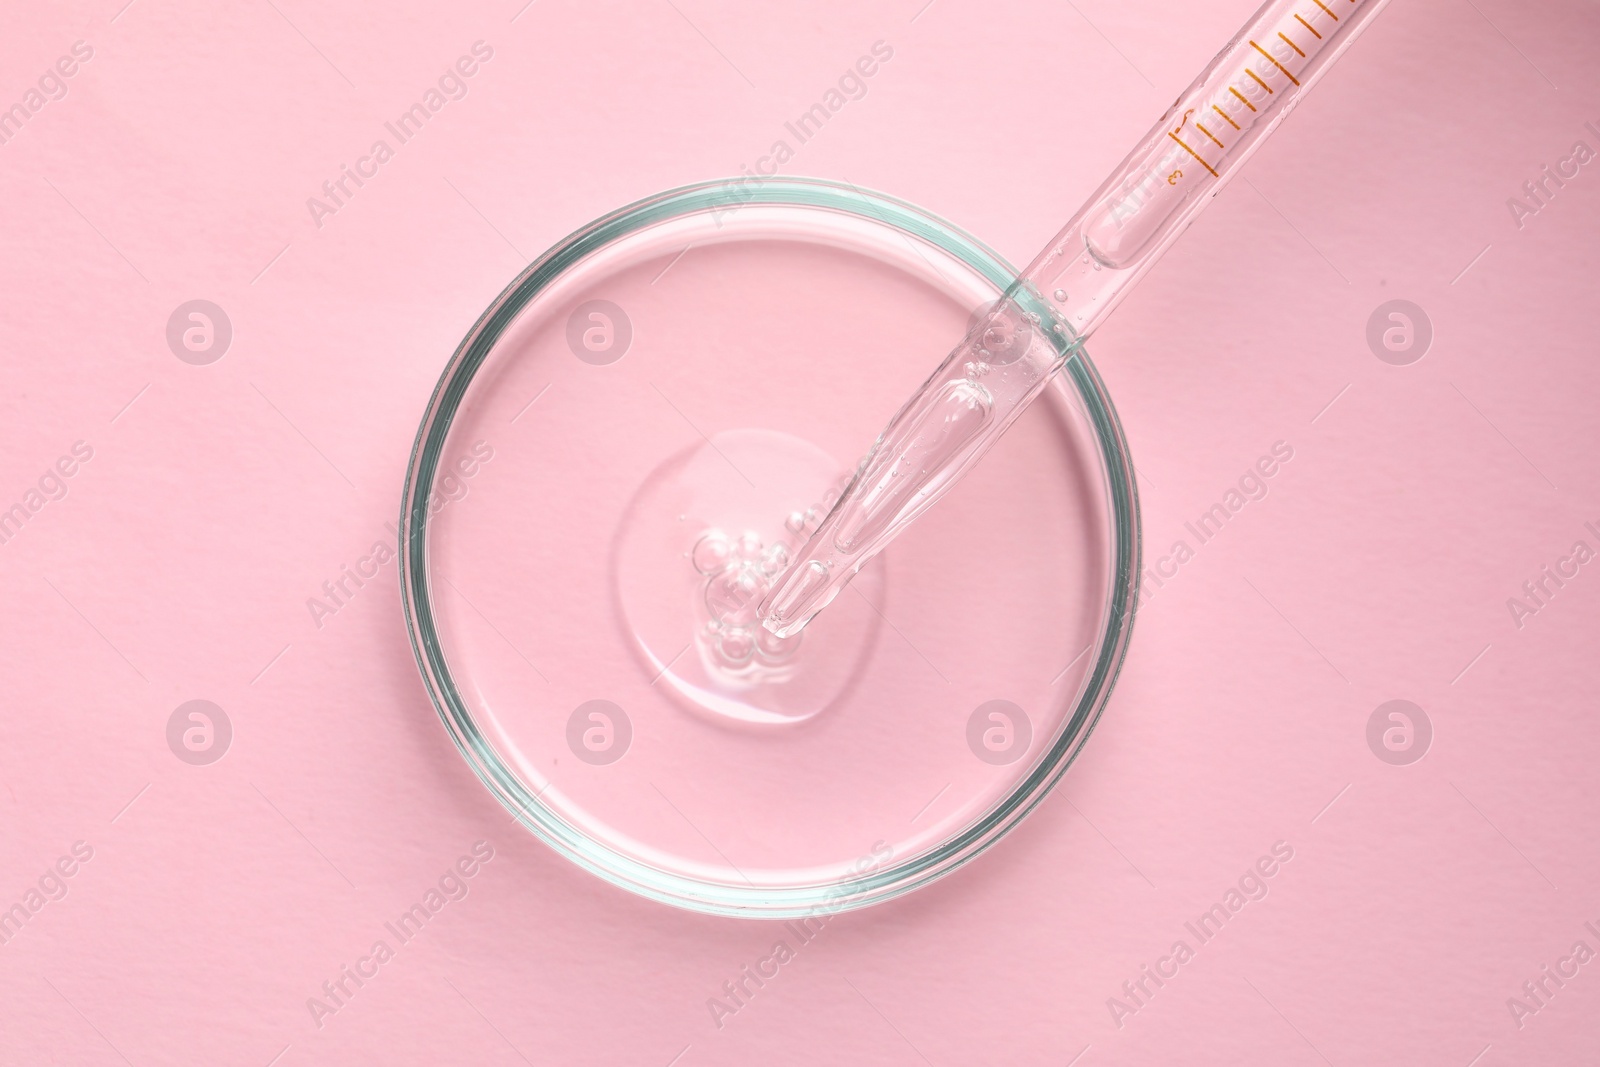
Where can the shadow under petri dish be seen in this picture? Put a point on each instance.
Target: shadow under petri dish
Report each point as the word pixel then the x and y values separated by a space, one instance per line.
pixel 600 529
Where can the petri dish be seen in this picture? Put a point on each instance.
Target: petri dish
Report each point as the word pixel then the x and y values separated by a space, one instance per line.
pixel 632 440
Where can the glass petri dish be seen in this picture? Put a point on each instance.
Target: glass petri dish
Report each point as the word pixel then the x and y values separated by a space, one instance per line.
pixel 635 434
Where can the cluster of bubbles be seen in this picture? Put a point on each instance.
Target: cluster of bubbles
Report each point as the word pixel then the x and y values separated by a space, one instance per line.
pixel 1000 334
pixel 739 572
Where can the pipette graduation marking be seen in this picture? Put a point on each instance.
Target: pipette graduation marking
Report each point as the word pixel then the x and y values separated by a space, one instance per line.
pixel 1005 359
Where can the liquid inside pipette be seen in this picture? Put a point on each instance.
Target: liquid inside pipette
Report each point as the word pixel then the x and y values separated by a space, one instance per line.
pixel 967 404
pixel 1009 355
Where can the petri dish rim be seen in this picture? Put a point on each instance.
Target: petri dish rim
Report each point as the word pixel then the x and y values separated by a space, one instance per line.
pixel 873 886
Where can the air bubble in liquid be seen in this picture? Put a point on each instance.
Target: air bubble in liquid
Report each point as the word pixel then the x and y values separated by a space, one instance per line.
pixel 699 580
pixel 710 552
pixel 737 646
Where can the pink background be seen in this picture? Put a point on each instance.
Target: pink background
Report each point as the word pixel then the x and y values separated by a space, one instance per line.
pixel 219 898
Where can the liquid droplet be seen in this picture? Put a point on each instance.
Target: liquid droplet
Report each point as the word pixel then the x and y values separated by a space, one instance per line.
pixel 775 649
pixel 710 553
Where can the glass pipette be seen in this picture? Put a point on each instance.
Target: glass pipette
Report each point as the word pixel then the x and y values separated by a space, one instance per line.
pixel 1006 360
